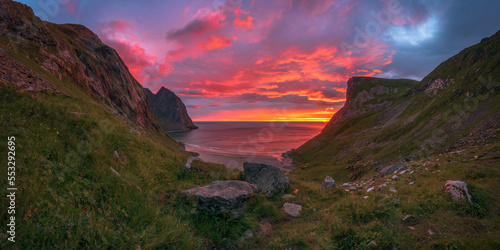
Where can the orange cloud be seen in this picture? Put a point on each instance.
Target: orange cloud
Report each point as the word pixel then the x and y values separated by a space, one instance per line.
pixel 245 23
pixel 214 42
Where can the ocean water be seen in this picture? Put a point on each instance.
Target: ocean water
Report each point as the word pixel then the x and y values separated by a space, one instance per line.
pixel 233 143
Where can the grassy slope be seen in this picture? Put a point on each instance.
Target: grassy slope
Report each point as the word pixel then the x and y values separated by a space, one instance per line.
pixel 426 126
pixel 68 195
pixel 345 220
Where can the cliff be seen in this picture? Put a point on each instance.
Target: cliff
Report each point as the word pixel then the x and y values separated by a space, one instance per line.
pixel 171 112
pixel 42 56
pixel 386 121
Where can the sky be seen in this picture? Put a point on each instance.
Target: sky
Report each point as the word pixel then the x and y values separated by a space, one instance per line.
pixel 281 60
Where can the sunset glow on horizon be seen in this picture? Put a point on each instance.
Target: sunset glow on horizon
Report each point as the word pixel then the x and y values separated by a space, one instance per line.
pixel 284 60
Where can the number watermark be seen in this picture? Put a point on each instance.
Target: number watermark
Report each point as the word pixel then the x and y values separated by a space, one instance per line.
pixel 11 188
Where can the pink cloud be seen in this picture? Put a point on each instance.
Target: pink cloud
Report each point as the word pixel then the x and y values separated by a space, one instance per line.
pixel 143 66
pixel 214 42
pixel 245 23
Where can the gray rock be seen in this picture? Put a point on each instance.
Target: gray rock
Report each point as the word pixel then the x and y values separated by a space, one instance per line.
pixel 372 244
pixel 352 188
pixel 287 196
pixel 187 167
pixel 458 190
pixel 390 169
pixel 269 179
pixel 292 210
pixel 328 183
pixel 248 234
pixel 222 196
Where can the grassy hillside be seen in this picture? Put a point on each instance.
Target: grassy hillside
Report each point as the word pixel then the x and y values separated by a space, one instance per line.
pixel 91 174
pixel 340 219
pixel 455 106
pixel 68 196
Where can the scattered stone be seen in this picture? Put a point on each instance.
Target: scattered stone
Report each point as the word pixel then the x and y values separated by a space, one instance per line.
pixel 413 171
pixel 476 156
pixel 431 232
pixel 458 190
pixel 345 184
pixel 287 196
pixel 117 157
pixel 115 172
pixel 352 188
pixel 328 183
pixel 222 196
pixel 391 189
pixel 407 217
pixel 411 183
pixel 347 190
pixel 402 172
pixel 383 185
pixel 370 189
pixel 366 197
pixel 269 179
pixel 372 244
pixel 412 228
pixel 390 169
pixel 187 167
pixel 248 234
pixel 314 209
pixel 292 210
pixel 395 177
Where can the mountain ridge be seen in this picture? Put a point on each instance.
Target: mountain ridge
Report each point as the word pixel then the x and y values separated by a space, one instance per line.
pixel 454 107
pixel 71 53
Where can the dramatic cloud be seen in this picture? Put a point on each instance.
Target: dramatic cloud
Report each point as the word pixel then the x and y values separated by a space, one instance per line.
pixel 214 42
pixel 277 60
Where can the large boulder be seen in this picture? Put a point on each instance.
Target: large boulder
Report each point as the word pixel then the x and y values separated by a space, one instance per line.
pixel 222 196
pixel 458 190
pixel 269 179
pixel 390 169
pixel 292 210
pixel 328 183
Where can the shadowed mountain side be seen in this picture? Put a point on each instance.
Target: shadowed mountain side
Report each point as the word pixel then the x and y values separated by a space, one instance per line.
pixel 171 112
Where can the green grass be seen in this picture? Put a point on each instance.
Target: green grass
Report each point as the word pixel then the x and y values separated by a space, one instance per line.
pixel 69 197
pixel 338 219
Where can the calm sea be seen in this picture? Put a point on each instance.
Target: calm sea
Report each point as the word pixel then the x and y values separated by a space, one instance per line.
pixel 233 143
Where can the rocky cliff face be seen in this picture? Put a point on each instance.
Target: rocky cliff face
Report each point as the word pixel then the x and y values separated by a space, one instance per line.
pixel 171 112
pixel 44 56
pixel 386 121
pixel 369 94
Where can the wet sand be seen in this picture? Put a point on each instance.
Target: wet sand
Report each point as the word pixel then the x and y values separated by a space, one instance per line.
pixel 236 161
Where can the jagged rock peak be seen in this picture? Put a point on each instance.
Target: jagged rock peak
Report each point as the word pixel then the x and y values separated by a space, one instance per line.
pixel 170 110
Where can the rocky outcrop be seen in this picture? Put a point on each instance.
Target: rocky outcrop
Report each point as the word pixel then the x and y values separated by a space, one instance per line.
pixel 222 196
pixel 170 110
pixel 292 210
pixel 328 183
pixel 391 169
pixel 365 95
pixel 458 190
pixel 68 53
pixel 389 120
pixel 269 179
